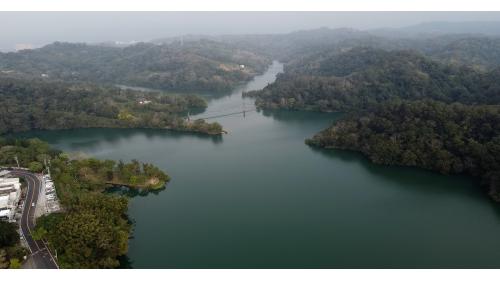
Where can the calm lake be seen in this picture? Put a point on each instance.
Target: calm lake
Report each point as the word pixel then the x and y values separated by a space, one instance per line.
pixel 258 197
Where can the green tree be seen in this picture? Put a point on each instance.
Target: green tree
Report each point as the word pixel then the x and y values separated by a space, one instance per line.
pixel 93 230
pixel 39 233
pixel 8 234
pixel 15 263
pixel 447 138
pixel 35 166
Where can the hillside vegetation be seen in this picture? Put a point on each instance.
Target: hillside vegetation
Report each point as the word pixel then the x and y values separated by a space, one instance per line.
pixel 450 139
pixel 93 229
pixel 472 49
pixel 38 104
pixel 11 250
pixel 430 104
pixel 202 65
pixel 364 77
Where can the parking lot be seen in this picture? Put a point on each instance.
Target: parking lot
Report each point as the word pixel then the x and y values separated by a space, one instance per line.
pixel 51 201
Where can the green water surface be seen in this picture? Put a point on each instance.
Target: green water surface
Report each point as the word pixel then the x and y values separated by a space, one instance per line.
pixel 260 198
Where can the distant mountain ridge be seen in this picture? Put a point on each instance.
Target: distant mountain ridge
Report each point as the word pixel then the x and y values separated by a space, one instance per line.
pixel 429 38
pixel 464 27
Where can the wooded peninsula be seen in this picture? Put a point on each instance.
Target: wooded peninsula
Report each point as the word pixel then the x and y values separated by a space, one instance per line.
pixel 93 229
pixel 38 104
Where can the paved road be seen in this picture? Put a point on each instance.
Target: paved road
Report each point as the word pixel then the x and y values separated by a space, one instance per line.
pixel 40 255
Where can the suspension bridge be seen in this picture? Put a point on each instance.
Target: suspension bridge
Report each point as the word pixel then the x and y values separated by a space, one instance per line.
pixel 243 112
pixel 228 110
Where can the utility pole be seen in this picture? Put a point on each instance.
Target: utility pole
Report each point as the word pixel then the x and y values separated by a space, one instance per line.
pixel 48 168
pixel 17 161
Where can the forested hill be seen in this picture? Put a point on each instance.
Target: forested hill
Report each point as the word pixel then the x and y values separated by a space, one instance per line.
pixel 38 104
pixel 289 46
pixel 363 77
pixel 404 107
pixel 476 49
pixel 201 65
pixel 479 52
pixel 450 139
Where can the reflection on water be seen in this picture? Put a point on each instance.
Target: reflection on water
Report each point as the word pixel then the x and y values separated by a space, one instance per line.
pixel 230 102
pixel 133 192
pixel 125 262
pixel 411 177
pixel 300 116
pixel 89 138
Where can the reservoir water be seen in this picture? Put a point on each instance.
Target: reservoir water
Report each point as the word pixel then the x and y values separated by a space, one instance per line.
pixel 258 197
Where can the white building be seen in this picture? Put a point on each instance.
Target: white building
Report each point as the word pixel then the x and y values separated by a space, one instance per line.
pixel 144 101
pixel 10 192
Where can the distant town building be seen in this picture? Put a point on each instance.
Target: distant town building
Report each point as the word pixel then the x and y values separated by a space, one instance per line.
pixel 10 193
pixel 242 66
pixel 144 101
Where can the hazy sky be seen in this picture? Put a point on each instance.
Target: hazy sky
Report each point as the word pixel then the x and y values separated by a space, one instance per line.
pixel 40 28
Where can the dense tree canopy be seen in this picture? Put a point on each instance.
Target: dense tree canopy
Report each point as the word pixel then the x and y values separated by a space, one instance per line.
pixel 8 234
pixel 26 151
pixel 364 77
pixel 11 251
pixel 423 103
pixel 37 104
pixel 450 139
pixel 91 233
pixel 93 230
pixel 201 65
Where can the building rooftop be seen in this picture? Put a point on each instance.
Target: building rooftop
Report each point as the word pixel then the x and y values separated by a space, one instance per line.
pixel 4 213
pixel 4 200
pixel 9 180
pixel 7 190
